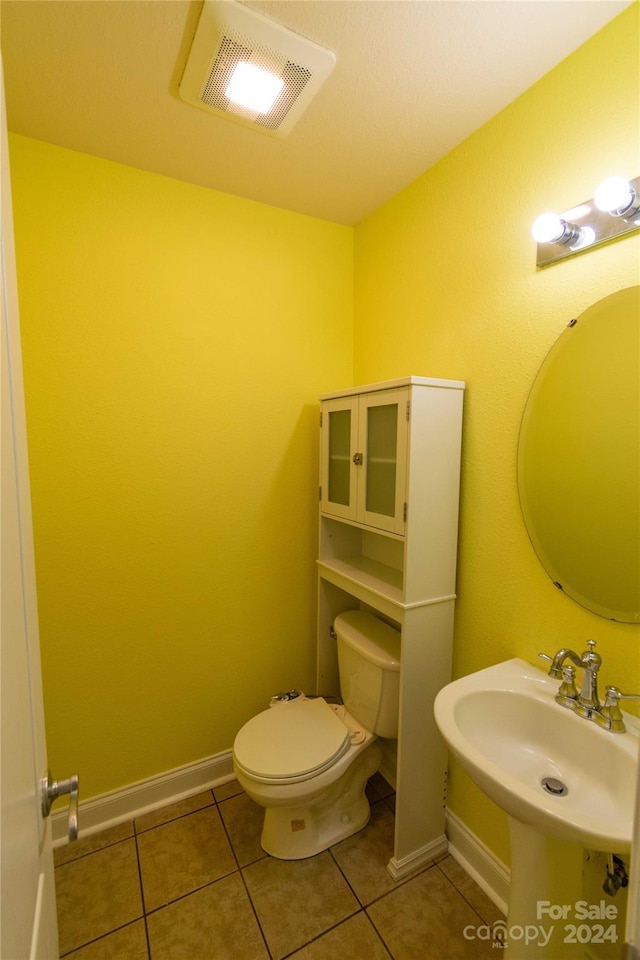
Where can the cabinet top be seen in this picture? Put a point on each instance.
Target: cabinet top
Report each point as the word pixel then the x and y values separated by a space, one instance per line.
pixel 394 384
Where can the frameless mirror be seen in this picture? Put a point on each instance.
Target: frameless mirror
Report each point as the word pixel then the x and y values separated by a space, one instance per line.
pixel 579 459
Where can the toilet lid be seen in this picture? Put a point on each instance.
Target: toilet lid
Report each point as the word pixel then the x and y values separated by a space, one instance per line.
pixel 291 741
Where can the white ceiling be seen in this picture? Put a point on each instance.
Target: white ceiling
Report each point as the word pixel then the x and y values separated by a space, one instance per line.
pixel 413 78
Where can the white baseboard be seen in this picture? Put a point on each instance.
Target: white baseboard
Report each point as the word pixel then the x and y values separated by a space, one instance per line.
pixel 399 869
pixel 131 801
pixel 490 874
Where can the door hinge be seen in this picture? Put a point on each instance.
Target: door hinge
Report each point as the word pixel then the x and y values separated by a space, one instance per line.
pixel 408 415
pixel 320 494
pixel 404 513
pixel 321 418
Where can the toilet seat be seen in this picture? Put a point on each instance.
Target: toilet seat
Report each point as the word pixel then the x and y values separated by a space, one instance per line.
pixel 292 741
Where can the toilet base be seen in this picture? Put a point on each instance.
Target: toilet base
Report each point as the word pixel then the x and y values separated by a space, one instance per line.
pixel 297 832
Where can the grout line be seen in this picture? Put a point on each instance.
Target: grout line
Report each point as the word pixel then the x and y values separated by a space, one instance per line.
pixel 89 853
pixel 345 877
pixel 255 912
pixel 228 836
pixel 144 910
pixel 102 936
pixel 320 935
pixel 163 823
pixel 381 938
pixel 242 877
pixel 183 896
pixel 462 894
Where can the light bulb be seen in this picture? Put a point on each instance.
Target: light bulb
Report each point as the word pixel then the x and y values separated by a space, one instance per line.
pixel 548 228
pixel 586 237
pixel 615 195
pixel 253 88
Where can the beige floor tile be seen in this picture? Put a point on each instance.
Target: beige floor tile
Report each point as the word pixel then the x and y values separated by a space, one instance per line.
pixel 97 893
pixel 355 939
pixel 363 858
pixel 128 943
pixel 173 810
pixel 243 819
pixel 380 785
pixel 297 900
pixel 470 890
pixel 230 789
pixel 214 923
pixel 425 919
pixel 96 841
pixel 178 857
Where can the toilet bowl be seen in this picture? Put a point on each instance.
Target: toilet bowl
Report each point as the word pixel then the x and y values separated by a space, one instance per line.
pixel 307 761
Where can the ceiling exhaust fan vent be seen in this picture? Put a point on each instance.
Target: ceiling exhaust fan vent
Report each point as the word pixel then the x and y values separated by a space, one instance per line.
pixel 230 34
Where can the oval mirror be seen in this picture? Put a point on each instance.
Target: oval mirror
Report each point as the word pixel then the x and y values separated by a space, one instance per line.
pixel 579 459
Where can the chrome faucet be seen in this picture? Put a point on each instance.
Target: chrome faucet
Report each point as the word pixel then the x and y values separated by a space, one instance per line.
pixel 586 703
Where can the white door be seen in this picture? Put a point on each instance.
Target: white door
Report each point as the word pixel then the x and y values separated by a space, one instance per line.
pixel 28 928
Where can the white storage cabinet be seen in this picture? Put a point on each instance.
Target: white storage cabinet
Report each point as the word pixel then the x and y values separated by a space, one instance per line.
pixel 389 493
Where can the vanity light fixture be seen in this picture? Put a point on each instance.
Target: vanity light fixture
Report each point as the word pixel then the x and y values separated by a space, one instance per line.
pixel 613 212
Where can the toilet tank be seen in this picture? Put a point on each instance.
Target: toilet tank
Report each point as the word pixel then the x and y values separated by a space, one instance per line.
pixel 369 666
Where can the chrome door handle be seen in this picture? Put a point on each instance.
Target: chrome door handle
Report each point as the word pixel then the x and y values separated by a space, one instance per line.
pixel 51 790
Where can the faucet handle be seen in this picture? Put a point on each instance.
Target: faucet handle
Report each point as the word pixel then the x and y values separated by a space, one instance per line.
pixel 592 660
pixel 554 672
pixel 614 695
pixel 609 715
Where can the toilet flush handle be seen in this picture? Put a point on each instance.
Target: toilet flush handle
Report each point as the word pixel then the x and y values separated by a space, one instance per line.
pixel 285 697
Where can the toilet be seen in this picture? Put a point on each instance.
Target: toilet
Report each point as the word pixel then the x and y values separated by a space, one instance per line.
pixel 307 761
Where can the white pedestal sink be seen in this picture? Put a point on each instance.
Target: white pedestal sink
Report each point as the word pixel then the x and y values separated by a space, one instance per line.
pixel 510 735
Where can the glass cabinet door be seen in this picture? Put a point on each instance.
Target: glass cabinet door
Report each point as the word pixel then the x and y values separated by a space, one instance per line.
pixel 382 457
pixel 339 456
pixel 383 433
pixel 338 480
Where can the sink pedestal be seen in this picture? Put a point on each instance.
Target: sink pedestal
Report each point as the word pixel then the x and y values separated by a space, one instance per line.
pixel 546 875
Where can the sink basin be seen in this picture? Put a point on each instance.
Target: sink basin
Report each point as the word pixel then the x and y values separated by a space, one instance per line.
pixel 507 731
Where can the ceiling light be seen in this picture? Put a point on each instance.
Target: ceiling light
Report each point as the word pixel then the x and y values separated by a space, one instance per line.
pixel 233 42
pixel 253 88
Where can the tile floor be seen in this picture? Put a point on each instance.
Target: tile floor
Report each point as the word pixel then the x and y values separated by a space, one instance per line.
pixel 191 882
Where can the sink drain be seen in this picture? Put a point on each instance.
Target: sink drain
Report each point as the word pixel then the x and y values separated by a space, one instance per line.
pixel 555 787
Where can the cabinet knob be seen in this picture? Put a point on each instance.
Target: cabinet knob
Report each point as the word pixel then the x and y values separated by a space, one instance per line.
pixel 357 459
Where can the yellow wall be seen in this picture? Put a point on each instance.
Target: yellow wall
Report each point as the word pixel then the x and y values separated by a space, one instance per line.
pixel 446 286
pixel 175 342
